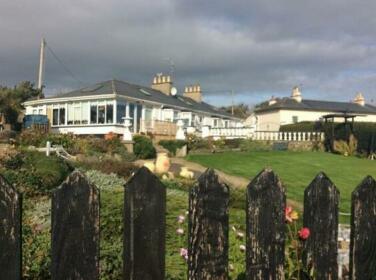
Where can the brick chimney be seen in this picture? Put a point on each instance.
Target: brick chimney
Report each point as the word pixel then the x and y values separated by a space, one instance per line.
pixel 359 99
pixel 163 83
pixel 193 92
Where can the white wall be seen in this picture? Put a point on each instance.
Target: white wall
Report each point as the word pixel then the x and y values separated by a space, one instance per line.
pixel 271 121
pixel 268 121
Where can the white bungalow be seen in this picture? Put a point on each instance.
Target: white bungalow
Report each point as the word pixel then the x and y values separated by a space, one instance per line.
pixel 101 108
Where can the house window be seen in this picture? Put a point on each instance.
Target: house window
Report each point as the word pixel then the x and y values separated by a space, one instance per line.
pixel 85 113
pixel 120 112
pixel 110 113
pixel 62 116
pixel 93 113
pixel 101 114
pixel 294 119
pixel 55 116
pixel 58 116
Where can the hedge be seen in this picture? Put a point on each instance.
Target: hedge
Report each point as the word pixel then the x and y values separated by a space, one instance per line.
pixel 365 132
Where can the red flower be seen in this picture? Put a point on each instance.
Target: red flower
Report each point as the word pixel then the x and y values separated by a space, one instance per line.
pixel 304 233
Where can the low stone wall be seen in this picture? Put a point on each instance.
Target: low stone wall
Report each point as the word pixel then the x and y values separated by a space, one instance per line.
pixel 305 146
pixel 297 146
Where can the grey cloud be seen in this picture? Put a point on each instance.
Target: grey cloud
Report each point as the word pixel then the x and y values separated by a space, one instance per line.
pixel 254 47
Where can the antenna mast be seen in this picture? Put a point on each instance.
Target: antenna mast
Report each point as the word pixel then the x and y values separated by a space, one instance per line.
pixel 41 64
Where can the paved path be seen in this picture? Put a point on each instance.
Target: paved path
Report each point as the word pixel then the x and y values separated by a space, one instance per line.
pixel 234 181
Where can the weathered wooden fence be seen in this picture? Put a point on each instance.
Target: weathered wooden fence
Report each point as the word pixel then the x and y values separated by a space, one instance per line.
pixel 75 228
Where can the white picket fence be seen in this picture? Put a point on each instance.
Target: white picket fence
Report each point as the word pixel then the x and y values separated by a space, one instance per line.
pixel 250 133
pixel 288 136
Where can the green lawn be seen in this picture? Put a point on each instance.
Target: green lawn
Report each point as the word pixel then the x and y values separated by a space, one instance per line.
pixel 296 169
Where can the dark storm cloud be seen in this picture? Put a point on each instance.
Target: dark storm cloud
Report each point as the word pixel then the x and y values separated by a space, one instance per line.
pixel 257 48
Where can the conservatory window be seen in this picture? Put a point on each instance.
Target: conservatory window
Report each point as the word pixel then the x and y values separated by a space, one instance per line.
pixel 93 113
pixel 101 114
pixel 84 112
pixel 55 116
pixel 110 113
pixel 58 116
pixel 120 112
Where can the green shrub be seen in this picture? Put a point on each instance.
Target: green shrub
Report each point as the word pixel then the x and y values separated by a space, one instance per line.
pixel 250 145
pixel 143 147
pixel 14 162
pixel 39 139
pixel 109 166
pixel 172 145
pixel 364 132
pixel 37 174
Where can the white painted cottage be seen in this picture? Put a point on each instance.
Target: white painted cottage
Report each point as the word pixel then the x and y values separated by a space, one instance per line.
pixel 101 108
pixel 270 115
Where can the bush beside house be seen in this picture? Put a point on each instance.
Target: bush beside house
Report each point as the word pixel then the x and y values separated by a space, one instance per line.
pixel 364 132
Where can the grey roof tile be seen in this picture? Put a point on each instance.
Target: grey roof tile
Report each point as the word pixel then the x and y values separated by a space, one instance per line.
pixel 147 94
pixel 317 105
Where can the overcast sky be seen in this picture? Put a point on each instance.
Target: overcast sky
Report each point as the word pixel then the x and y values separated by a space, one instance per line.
pixel 256 48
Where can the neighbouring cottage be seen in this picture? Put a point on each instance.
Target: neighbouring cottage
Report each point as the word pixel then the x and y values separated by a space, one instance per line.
pixel 270 115
pixel 102 108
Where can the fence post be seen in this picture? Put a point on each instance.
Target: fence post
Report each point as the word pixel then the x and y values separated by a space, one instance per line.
pixel 144 227
pixel 266 227
pixel 10 232
pixel 363 229
pixel 75 229
pixel 321 200
pixel 208 228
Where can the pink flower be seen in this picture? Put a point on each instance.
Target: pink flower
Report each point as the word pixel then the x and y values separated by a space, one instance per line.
pixel 180 231
pixel 304 233
pixel 184 253
pixel 288 211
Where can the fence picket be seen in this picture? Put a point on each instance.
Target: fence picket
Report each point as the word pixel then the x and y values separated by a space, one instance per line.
pixel 75 229
pixel 321 200
pixel 363 231
pixel 10 232
pixel 144 227
pixel 266 227
pixel 208 228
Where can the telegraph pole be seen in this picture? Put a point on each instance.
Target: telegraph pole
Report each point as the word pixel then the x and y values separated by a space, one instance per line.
pixel 232 102
pixel 41 64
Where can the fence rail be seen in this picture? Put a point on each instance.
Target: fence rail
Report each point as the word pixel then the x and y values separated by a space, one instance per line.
pixel 288 136
pixel 75 228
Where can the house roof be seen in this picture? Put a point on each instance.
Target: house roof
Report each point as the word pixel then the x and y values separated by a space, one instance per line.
pixel 316 105
pixel 145 94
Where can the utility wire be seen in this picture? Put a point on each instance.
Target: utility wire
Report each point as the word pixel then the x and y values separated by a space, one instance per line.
pixel 64 66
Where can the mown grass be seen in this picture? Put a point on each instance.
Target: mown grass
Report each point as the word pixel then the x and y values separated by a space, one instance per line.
pixel 296 169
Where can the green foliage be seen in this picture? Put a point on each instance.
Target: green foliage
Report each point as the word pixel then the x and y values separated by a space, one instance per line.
pixel 250 145
pixel 105 181
pixel 143 147
pixel 364 132
pixel 172 145
pixel 36 239
pixel 240 110
pixel 301 127
pixel 109 166
pixel 88 146
pixel 196 143
pixel 34 174
pixel 11 100
pixel 38 139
